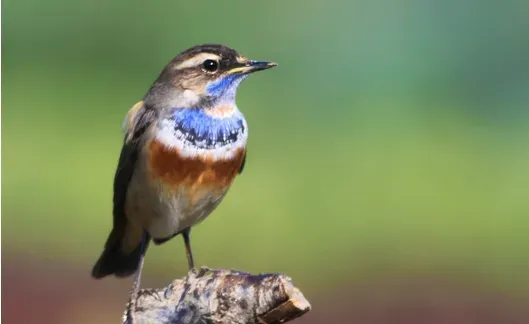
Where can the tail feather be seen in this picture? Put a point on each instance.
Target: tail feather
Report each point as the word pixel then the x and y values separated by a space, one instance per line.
pixel 114 261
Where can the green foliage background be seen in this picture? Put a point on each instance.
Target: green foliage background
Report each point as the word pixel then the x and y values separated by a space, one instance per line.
pixel 391 140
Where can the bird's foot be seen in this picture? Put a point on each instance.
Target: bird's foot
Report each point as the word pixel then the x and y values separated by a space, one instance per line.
pixel 201 272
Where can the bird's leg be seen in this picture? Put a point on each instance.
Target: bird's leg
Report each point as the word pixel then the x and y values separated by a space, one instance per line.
pixel 190 262
pixel 135 290
pixel 137 277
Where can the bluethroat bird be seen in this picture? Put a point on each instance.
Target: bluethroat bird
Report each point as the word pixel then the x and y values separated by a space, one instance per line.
pixel 184 144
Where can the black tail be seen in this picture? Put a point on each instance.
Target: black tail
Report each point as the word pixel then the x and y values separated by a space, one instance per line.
pixel 113 261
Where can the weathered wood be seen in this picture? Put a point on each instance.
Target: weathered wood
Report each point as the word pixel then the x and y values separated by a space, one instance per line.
pixel 218 296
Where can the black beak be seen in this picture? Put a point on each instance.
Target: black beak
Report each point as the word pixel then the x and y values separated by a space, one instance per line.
pixel 252 66
pixel 260 65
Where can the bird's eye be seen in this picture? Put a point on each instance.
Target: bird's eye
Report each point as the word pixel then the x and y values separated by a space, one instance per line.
pixel 210 65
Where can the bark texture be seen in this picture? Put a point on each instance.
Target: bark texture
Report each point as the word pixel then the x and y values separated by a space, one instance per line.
pixel 218 296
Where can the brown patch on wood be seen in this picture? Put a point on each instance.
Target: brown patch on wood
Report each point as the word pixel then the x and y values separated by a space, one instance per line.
pixel 195 174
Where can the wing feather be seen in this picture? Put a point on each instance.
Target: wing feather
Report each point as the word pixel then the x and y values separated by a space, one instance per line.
pixel 138 119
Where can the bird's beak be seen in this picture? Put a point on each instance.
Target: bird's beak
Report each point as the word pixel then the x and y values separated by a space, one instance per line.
pixel 252 66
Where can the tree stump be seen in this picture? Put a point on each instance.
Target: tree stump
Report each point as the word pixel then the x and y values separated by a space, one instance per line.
pixel 218 296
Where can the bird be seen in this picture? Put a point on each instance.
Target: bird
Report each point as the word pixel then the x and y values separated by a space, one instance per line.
pixel 184 144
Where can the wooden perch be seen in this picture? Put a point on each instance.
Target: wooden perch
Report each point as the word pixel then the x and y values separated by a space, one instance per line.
pixel 218 296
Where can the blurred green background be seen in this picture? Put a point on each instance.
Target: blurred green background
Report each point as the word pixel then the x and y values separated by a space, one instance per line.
pixel 391 143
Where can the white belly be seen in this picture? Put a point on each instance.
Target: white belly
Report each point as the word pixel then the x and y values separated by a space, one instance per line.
pixel 175 214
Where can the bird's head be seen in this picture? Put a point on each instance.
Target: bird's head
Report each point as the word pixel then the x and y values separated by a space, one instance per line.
pixel 201 77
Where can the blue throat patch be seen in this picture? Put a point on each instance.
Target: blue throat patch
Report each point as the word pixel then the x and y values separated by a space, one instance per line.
pixel 225 88
pixel 204 131
pixel 196 128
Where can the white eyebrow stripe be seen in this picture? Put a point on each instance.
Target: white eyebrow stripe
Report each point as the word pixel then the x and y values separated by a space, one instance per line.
pixel 197 60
